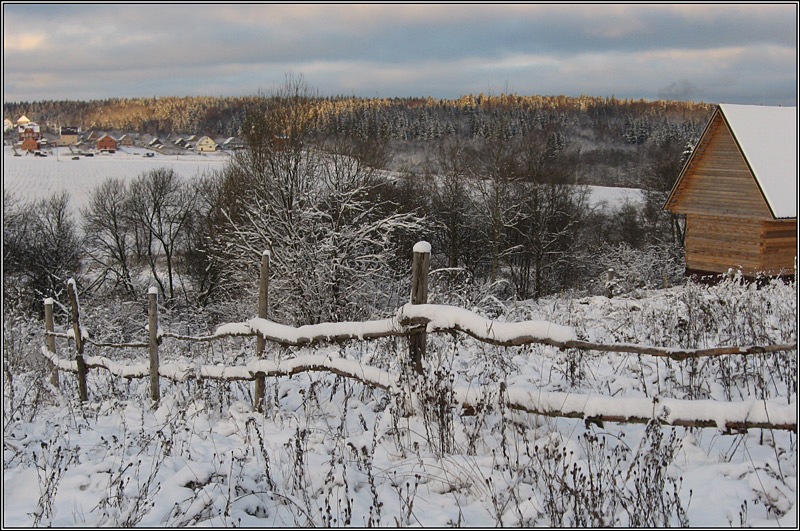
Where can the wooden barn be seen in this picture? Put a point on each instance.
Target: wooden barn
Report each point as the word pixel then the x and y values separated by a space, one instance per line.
pixel 30 144
pixel 107 143
pixel 738 191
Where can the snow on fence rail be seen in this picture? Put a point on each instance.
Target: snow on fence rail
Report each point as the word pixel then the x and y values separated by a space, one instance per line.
pixel 414 320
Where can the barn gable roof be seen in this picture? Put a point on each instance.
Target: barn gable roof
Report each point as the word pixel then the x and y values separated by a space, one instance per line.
pixel 767 137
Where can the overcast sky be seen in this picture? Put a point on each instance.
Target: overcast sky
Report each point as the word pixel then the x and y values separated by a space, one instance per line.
pixel 736 53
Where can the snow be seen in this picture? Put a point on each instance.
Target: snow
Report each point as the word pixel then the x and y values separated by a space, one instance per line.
pixel 613 197
pixel 329 446
pixel 768 139
pixel 31 178
pixel 441 317
pixel 204 457
pixel 422 247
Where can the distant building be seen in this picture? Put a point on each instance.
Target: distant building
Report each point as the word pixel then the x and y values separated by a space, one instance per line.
pixel 29 130
pixel 107 143
pixel 205 144
pixel 30 144
pixel 232 144
pixel 280 143
pixel 125 140
pixel 68 136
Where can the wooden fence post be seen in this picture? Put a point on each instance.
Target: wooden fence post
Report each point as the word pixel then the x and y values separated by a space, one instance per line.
pixel 610 283
pixel 49 339
pixel 72 292
pixel 152 329
pixel 419 295
pixel 263 300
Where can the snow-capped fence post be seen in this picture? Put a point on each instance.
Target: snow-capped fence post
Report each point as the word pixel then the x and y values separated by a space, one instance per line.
pixel 152 329
pixel 49 339
pixel 263 294
pixel 419 295
pixel 610 283
pixel 72 293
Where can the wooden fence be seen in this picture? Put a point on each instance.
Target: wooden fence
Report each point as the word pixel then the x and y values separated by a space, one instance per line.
pixel 415 320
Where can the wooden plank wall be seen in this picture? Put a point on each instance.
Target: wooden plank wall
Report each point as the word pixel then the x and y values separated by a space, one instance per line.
pixel 780 246
pixel 714 244
pixel 718 181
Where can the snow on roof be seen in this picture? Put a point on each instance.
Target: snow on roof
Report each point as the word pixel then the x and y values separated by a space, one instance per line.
pixel 767 137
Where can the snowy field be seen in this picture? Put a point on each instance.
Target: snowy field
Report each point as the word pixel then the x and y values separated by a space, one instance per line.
pixel 332 451
pixel 30 178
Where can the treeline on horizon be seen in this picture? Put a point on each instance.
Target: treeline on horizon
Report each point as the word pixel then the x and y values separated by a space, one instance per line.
pixel 611 136
pixel 392 118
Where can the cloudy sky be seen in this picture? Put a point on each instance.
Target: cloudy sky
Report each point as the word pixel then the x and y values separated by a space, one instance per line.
pixel 733 53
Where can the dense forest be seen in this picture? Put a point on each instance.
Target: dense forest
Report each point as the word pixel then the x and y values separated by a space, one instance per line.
pixel 339 189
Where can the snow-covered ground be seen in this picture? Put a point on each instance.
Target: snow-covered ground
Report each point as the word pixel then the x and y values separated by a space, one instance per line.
pixel 29 178
pixel 330 450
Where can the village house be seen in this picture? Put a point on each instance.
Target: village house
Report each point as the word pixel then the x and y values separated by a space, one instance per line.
pixel 232 144
pixel 107 143
pixel 125 141
pixel 28 130
pixel 738 191
pixel 205 144
pixel 68 136
pixel 30 144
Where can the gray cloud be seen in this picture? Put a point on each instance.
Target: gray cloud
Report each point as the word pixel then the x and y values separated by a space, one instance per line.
pixel 682 51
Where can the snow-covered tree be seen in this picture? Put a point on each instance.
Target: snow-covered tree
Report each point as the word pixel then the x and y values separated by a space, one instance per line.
pixel 315 208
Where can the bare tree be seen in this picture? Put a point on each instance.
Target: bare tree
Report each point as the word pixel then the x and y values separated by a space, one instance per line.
pixel 451 203
pixel 161 208
pixel 17 228
pixel 539 253
pixel 109 234
pixel 496 170
pixel 664 160
pixel 199 264
pixel 41 247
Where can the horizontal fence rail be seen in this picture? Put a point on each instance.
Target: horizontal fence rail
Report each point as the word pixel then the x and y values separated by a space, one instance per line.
pixel 414 321
pixel 429 317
